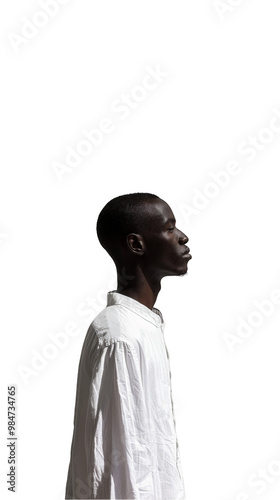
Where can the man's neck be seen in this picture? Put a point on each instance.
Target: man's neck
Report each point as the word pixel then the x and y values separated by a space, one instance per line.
pixel 138 288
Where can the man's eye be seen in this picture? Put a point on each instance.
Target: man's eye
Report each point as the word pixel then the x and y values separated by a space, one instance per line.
pixel 171 228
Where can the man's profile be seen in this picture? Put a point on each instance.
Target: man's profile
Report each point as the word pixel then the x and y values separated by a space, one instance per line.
pixel 124 441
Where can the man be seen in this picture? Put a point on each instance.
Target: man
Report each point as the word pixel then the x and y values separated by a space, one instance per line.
pixel 124 440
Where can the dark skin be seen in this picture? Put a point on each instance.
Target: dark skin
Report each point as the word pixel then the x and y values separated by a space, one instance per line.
pixel 144 259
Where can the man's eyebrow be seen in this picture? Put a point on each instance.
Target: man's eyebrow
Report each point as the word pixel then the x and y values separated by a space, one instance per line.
pixel 171 219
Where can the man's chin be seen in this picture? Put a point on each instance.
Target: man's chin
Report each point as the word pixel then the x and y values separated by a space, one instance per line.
pixel 177 272
pixel 182 272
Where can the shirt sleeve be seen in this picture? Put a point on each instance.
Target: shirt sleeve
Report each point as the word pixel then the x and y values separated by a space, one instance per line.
pixel 121 458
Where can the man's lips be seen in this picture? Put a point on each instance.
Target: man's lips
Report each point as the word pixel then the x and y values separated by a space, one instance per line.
pixel 186 253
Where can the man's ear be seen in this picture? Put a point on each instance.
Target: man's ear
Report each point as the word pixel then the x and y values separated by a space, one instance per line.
pixel 135 243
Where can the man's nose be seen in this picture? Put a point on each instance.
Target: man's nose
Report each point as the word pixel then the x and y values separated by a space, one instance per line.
pixel 183 238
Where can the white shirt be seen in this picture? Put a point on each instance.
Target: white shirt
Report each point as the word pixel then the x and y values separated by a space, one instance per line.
pixel 124 439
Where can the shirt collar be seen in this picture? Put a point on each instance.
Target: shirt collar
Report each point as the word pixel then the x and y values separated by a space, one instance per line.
pixel 154 315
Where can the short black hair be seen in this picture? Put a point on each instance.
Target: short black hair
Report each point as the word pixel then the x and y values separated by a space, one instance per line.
pixel 122 215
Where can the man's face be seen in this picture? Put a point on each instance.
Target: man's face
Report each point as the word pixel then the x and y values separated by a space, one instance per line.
pixel 166 253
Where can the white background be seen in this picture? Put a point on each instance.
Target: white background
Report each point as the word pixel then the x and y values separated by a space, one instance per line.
pixel 221 87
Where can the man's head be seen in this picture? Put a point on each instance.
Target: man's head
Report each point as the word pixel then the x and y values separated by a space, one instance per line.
pixel 139 230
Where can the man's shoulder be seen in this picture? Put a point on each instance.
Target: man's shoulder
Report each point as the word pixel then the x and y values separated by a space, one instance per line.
pixel 111 324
